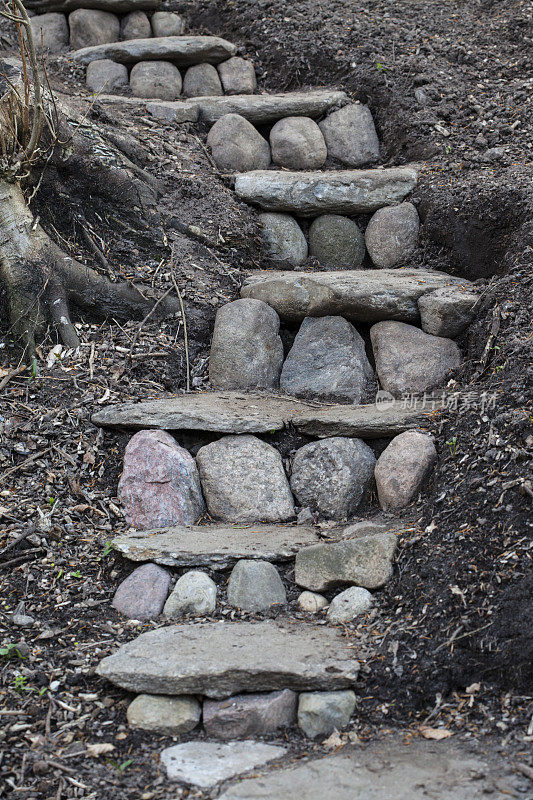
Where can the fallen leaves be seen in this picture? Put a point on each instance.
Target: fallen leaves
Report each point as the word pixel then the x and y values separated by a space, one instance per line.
pixel 435 733
pixel 99 749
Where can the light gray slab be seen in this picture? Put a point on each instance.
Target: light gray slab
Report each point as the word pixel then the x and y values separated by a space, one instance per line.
pixel 114 6
pixel 215 546
pixel 220 659
pixel 263 108
pixel 207 763
pixel 179 49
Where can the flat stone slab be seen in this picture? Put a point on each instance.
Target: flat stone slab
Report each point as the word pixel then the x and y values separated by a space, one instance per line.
pixel 237 412
pixel 207 763
pixel 360 295
pixel 382 771
pixel 179 49
pixel 262 108
pixel 341 192
pixel 114 6
pixel 215 546
pixel 220 659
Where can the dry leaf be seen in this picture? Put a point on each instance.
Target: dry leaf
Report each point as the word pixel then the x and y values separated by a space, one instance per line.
pixel 435 733
pixel 474 687
pixel 96 750
pixel 333 741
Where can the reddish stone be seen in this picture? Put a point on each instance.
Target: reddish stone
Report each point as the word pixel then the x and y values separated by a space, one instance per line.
pixel 247 715
pixel 142 595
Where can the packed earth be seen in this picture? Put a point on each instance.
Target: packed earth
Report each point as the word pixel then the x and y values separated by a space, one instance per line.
pixel 265 506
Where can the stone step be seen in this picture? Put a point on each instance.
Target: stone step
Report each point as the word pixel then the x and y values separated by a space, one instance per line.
pixel 362 295
pixel 308 194
pixel 215 546
pixel 114 6
pixel 237 412
pixel 220 659
pixel 179 49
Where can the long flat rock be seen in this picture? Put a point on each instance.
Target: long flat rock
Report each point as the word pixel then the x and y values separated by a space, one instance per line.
pixel 262 108
pixel 114 6
pixel 350 191
pixel 215 546
pixel 220 659
pixel 361 295
pixel 236 412
pixel 179 49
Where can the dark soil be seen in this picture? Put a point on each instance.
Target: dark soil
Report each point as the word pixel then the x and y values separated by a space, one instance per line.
pixel 452 637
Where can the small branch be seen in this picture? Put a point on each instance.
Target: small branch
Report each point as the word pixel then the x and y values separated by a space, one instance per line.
pixel 147 317
pixel 185 336
pixel 10 375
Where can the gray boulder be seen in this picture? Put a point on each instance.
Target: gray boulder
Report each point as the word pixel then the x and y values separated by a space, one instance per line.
pixel 255 585
pixel 194 593
pixel 328 362
pixel 202 80
pixel 170 716
pixel 447 311
pixel 351 136
pixel 237 76
pixel 336 242
pixel 331 475
pixel 244 481
pixel 246 349
pixel 392 235
pixel 206 764
pixel 106 75
pixel 135 25
pixel 311 602
pixel 297 143
pixel 321 713
pixel 365 561
pixel 349 604
pixel 247 715
pixel 159 80
pixel 53 29
pixel 181 50
pixel 159 484
pixel 90 27
pixel 283 240
pixel 166 23
pixel 409 361
pixel 237 146
pixel 403 467
pixel 143 593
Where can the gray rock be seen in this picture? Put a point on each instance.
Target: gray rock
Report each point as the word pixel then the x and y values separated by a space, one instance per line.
pixel 244 481
pixel 331 475
pixel 89 27
pixel 236 145
pixel 20 618
pixel 410 361
pixel 194 593
pixel 220 659
pixel 340 192
pixel 155 79
pixel 172 112
pixel 265 108
pixel 448 311
pixel 135 25
pixel 159 484
pixel 283 240
pixel 105 74
pixel 336 242
pixel 201 80
pixel 321 713
pixel 255 585
pixel 53 29
pixel 237 412
pixel 179 49
pixel 297 143
pixel 349 604
pixel 365 295
pixel 403 467
pixel 367 527
pixel 206 763
pixel 328 362
pixel 170 716
pixel 237 76
pixel 247 715
pixel 311 602
pixel 392 235
pixel 365 561
pixel 143 593
pixel 246 349
pixel 166 23
pixel 351 136
pixel 215 546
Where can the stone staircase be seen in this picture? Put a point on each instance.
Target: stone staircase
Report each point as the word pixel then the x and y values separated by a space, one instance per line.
pixel 250 531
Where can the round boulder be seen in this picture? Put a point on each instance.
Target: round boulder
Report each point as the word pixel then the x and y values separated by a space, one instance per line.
pixel 283 240
pixel 237 76
pixel 90 27
pixel 135 25
pixel 321 713
pixel 194 593
pixel 336 242
pixel 53 29
pixel 171 716
pixel 311 602
pixel 105 75
pixel 158 80
pixel 297 143
pixel 349 604
pixel 166 23
pixel 255 585
pixel 202 81
pixel 350 135
pixel 236 146
pixel 392 235
pixel 403 467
